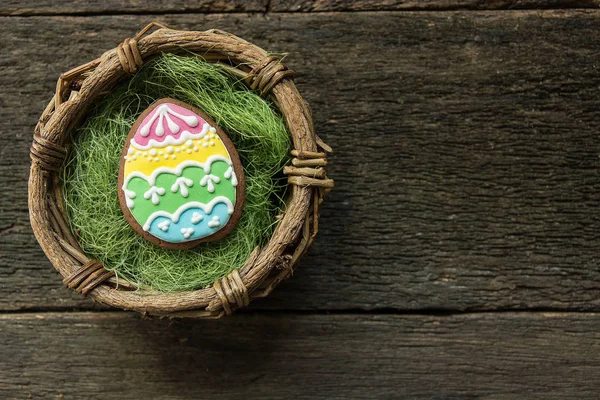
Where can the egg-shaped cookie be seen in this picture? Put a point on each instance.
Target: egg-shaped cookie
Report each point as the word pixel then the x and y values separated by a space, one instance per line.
pixel 181 181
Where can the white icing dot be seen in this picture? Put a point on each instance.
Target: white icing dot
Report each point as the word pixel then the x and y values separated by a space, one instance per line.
pixel 212 130
pixel 215 222
pixel 169 149
pixel 130 151
pixel 126 157
pixel 195 148
pixel 166 156
pixel 196 218
pixel 173 156
pixel 155 158
pixel 149 158
pixel 189 151
pixel 145 154
pixel 187 232
pixel 177 150
pixel 164 226
pixel 205 144
pixel 153 152
pixel 212 135
pixel 160 153
pixel 134 158
pixel 212 143
pixel 189 143
pixel 138 153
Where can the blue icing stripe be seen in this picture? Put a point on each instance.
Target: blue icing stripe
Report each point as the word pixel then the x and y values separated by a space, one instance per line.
pixel 193 224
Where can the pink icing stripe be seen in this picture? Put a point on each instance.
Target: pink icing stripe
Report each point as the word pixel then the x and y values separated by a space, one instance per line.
pixel 143 140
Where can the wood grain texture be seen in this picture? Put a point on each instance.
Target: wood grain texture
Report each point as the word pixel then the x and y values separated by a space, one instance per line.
pixel 423 5
pixel 480 356
pixel 87 7
pixel 103 7
pixel 466 160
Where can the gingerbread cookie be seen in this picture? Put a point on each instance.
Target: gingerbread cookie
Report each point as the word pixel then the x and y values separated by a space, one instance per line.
pixel 181 181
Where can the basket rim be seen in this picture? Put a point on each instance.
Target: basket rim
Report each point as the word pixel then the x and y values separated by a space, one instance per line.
pixel 265 267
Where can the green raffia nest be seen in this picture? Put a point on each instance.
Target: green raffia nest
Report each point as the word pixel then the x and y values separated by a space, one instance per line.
pixel 91 169
pixel 266 266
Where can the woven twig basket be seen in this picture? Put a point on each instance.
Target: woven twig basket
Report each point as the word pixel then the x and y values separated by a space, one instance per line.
pixel 266 267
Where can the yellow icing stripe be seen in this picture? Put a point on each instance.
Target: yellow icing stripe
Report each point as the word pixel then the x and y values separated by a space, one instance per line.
pixel 146 161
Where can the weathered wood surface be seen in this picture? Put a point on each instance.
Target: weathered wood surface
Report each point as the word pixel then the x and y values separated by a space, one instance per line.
pixel 91 7
pixel 275 356
pixel 103 7
pixel 466 161
pixel 423 5
pixel 467 179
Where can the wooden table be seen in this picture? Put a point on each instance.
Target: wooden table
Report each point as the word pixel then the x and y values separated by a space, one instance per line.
pixel 459 253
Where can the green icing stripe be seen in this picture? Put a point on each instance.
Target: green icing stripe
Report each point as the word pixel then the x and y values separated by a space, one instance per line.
pixel 170 201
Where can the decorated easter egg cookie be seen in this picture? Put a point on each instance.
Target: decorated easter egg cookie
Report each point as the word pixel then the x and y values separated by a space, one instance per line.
pixel 180 179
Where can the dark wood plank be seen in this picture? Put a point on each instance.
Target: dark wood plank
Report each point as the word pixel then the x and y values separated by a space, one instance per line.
pixel 96 7
pixel 481 356
pixel 423 5
pixel 466 153
pixel 70 7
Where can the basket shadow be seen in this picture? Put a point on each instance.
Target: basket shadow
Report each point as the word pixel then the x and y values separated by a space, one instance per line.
pixel 189 357
pixel 313 284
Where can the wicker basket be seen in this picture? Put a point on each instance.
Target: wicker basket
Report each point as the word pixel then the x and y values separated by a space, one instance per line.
pixel 266 267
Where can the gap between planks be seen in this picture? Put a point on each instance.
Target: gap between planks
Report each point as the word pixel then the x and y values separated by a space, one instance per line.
pixel 249 312
pixel 29 8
